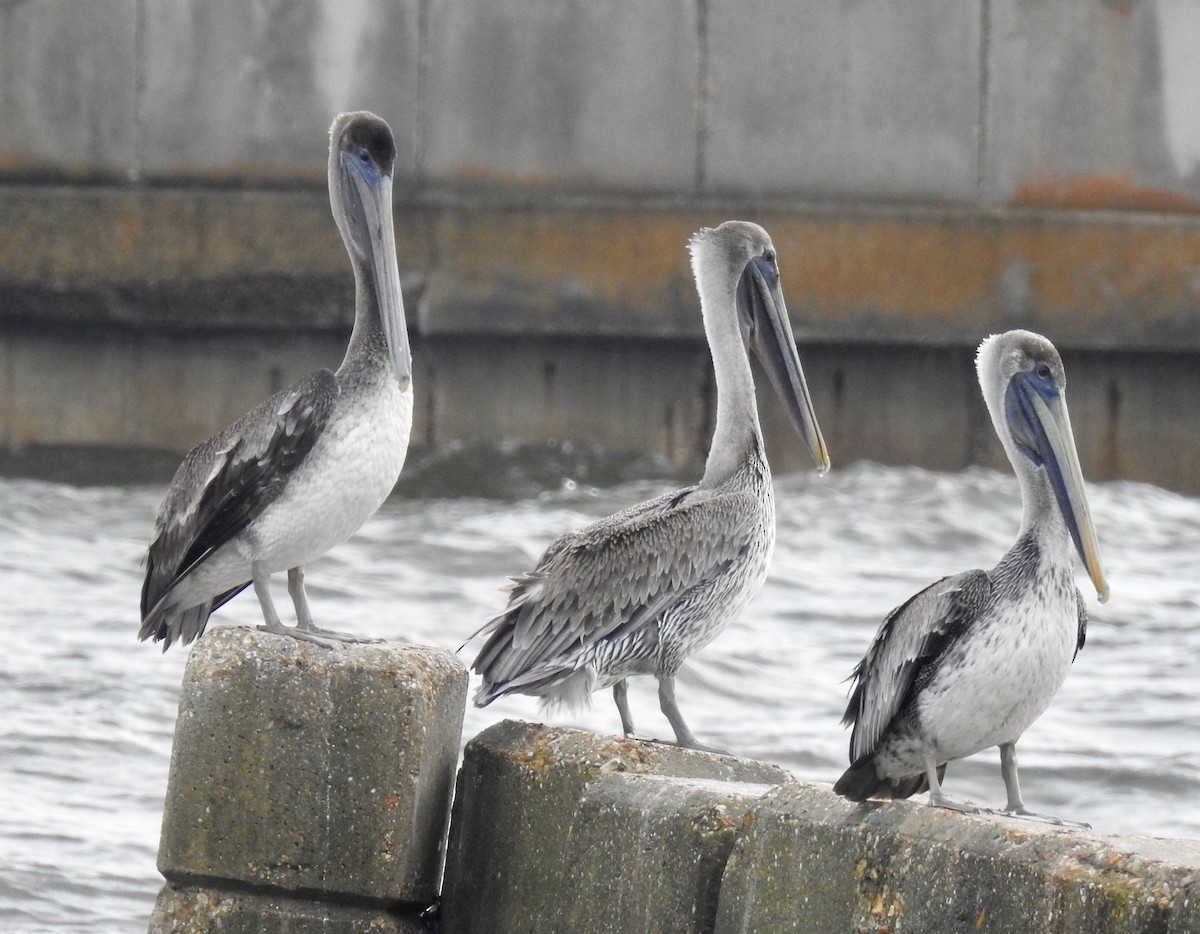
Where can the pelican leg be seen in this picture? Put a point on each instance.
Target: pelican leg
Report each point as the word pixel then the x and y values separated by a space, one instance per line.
pixel 304 619
pixel 621 696
pixel 939 800
pixel 1015 806
pixel 262 590
pixel 683 736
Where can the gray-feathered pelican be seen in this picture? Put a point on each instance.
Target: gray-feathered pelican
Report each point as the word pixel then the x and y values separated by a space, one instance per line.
pixel 640 591
pixel 972 660
pixel 302 471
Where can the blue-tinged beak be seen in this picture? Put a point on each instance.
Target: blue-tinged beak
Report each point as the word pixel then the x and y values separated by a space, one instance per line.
pixel 768 332
pixel 371 198
pixel 1037 416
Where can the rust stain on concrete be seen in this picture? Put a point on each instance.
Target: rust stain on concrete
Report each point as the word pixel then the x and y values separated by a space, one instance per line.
pixel 1091 191
pixel 942 276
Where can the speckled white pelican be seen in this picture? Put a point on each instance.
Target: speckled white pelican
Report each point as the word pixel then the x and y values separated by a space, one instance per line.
pixel 640 591
pixel 973 660
pixel 302 471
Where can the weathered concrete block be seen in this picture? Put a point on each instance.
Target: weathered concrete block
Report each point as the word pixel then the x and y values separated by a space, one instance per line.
pixel 561 830
pixel 554 93
pixel 313 771
pixel 191 910
pixel 249 90
pixel 810 861
pixel 647 852
pixel 1092 105
pixel 850 99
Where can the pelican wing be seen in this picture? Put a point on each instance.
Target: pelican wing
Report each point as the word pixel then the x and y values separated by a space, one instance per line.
pixel 613 580
pixel 906 649
pixel 224 483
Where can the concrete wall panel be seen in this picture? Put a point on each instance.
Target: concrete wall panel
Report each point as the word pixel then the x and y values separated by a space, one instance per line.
pixel 845 99
pixel 550 92
pixel 1091 105
pixel 248 90
pixel 67 87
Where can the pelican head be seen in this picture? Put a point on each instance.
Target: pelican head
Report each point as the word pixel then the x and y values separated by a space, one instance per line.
pixel 1024 385
pixel 362 154
pixel 740 255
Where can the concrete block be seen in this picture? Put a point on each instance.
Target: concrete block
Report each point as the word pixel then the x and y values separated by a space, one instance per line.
pixel 67 80
pixel 810 861
pixel 1092 105
pixel 586 93
pixel 192 910
pixel 532 845
pixel 247 91
pixel 847 99
pixel 311 771
pixel 647 852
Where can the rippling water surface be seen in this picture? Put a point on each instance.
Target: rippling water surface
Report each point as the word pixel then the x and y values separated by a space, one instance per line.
pixel 88 712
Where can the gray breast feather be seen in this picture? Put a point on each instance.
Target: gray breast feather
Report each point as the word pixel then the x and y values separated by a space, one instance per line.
pixel 616 576
pixel 226 481
pixel 911 641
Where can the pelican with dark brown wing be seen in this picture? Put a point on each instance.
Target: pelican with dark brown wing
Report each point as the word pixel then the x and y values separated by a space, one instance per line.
pixel 305 469
pixel 973 660
pixel 639 592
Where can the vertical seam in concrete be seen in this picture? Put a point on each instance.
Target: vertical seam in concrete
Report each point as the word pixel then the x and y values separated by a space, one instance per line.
pixel 139 88
pixel 423 62
pixel 703 93
pixel 985 49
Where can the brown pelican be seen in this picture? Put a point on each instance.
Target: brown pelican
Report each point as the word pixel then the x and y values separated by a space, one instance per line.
pixel 972 660
pixel 640 591
pixel 302 471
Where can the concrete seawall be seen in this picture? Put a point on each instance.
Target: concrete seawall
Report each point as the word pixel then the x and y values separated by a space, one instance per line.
pixel 167 256
pixel 590 329
pixel 309 791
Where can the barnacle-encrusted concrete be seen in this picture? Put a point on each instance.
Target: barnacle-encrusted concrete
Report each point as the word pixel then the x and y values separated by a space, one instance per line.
pixel 313 772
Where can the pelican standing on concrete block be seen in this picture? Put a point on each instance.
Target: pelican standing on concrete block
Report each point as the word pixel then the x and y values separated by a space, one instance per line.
pixel 973 660
pixel 302 471
pixel 640 591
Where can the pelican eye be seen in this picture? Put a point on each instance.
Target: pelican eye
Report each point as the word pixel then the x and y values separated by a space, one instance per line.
pixel 769 256
pixel 1043 372
pixel 364 155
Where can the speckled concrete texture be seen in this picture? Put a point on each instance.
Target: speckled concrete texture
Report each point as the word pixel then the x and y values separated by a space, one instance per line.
pixel 810 861
pixel 320 772
pixel 193 910
pixel 561 830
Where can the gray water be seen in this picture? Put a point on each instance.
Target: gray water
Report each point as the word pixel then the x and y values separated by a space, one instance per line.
pixel 88 712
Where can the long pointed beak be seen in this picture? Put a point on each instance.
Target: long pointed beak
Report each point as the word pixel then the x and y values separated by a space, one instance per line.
pixel 1055 444
pixel 772 341
pixel 374 197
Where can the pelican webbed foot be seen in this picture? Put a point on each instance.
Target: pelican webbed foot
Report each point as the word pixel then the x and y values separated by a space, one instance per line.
pixel 692 743
pixel 1016 805
pixel 1020 812
pixel 684 738
pixel 939 800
